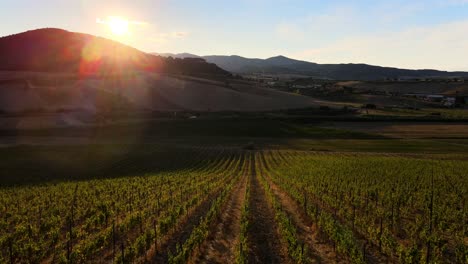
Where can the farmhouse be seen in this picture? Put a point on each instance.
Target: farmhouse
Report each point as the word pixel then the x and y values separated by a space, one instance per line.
pixel 448 101
pixel 426 97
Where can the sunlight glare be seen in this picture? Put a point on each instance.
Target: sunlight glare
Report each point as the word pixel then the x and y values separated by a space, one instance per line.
pixel 118 25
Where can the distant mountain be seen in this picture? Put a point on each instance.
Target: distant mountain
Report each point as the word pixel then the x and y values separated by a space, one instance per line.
pixel 284 65
pixel 57 50
pixel 176 56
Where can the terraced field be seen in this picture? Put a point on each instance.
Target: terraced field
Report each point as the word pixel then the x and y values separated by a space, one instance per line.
pixel 231 205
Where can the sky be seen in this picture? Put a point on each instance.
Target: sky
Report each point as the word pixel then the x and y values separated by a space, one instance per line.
pixel 414 34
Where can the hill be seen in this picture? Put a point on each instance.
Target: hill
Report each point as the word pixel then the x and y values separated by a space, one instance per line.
pixel 57 50
pixel 177 56
pixel 42 100
pixel 75 78
pixel 284 65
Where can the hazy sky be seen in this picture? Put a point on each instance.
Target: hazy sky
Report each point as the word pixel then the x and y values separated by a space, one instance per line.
pixel 410 34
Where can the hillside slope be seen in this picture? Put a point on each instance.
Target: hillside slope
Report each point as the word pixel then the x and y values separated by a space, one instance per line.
pixel 56 93
pixel 76 79
pixel 57 50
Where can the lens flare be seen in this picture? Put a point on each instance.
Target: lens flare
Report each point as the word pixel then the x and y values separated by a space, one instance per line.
pixel 118 25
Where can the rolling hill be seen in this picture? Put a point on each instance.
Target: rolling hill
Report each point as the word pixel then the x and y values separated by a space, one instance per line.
pixel 52 77
pixel 284 65
pixel 39 100
pixel 57 50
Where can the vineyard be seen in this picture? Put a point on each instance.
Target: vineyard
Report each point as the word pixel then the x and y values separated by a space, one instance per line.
pixel 231 205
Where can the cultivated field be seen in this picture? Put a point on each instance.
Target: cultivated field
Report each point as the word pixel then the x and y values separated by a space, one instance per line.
pixel 234 190
pixel 407 129
pixel 230 205
pixel 410 87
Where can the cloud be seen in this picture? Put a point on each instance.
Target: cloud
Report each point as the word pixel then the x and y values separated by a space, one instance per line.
pixel 139 23
pixel 395 11
pixel 179 34
pixel 161 38
pixel 166 37
pixel 382 34
pixel 337 21
pixel 349 19
pixel 440 47
pixel 130 22
pixel 289 31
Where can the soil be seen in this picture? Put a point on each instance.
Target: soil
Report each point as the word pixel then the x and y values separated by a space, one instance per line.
pixel 266 245
pixel 182 232
pixel 222 243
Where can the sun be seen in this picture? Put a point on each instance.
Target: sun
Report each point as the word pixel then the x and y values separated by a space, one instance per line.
pixel 118 25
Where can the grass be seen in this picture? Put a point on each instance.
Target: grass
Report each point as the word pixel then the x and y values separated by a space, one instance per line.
pixel 391 146
pixel 232 127
pixel 161 142
pixel 443 113
pixel 26 165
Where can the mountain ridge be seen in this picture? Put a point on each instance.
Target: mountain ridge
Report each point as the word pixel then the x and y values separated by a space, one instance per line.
pixel 344 71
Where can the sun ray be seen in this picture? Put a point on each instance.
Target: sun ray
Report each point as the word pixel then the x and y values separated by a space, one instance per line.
pixel 118 25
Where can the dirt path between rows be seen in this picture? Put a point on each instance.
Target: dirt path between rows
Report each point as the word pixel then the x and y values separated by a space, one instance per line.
pixel 222 243
pixel 266 246
pixel 184 229
pixel 307 231
pixel 311 231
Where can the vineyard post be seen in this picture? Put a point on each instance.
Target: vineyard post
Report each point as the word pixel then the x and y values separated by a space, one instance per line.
pixel 70 224
pixel 354 216
pixel 131 204
pixel 140 219
pixel 391 217
pixel 180 190
pixel 431 209
pixel 305 199
pixel 241 250
pixel 381 233
pixel 158 203
pixel 68 250
pixel 334 249
pixel 113 239
pixel 30 253
pixel 170 192
pixel 364 251
pixel 376 198
pixel 10 247
pixel 463 216
pixel 40 216
pixel 367 203
pixel 122 248
pixel 30 231
pixel 302 250
pixel 155 236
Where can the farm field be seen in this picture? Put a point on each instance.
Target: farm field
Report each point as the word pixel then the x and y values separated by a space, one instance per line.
pixel 232 190
pixel 407 129
pixel 212 204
